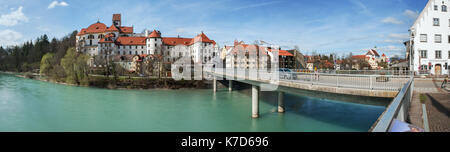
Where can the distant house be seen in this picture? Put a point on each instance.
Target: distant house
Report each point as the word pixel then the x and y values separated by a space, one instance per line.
pixel 264 56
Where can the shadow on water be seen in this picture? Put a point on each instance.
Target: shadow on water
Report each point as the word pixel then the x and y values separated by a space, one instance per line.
pixel 342 110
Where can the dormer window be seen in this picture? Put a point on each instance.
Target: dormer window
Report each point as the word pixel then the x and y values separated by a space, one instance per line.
pixel 444 8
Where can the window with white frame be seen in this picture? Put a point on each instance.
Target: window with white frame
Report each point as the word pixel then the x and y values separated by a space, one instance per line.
pixel 435 7
pixel 423 54
pixel 438 54
pixel 423 37
pixel 444 8
pixel 435 21
pixel 437 38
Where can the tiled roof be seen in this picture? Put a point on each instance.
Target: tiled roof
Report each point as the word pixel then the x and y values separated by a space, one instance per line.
pixel 105 41
pixel 282 52
pixel 96 28
pixel 126 30
pixel 112 28
pixel 131 40
pixel 373 52
pixel 154 34
pixel 359 56
pixel 176 41
pixel 202 38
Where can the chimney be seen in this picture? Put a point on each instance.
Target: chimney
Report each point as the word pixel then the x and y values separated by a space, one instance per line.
pixel 146 33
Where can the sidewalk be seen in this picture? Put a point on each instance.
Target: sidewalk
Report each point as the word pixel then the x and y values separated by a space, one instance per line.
pixel 438 111
pixel 437 103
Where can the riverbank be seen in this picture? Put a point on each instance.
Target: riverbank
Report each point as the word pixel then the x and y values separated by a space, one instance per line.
pixel 111 82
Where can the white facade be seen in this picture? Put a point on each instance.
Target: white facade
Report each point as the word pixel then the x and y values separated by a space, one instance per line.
pixel 430 39
pixel 101 41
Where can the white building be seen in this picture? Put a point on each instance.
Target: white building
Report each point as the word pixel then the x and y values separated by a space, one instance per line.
pixel 101 41
pixel 428 49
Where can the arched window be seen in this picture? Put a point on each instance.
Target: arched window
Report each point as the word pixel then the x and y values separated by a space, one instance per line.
pixel 444 8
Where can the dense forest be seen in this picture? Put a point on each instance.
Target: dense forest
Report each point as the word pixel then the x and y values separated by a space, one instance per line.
pixel 27 57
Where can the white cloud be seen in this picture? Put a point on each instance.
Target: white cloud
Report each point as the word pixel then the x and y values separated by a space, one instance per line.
pixel 411 14
pixel 56 3
pixel 9 37
pixel 392 20
pixel 13 18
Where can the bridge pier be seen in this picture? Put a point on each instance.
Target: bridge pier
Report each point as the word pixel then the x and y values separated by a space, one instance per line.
pixel 215 84
pixel 281 102
pixel 230 85
pixel 255 101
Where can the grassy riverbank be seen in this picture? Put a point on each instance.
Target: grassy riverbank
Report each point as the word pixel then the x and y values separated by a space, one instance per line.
pixel 122 82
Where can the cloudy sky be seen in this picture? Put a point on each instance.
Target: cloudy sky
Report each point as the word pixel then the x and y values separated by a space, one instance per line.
pixel 324 26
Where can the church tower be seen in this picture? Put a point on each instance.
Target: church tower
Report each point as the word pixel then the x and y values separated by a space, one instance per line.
pixel 117 20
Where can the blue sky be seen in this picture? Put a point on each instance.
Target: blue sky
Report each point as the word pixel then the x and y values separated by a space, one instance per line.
pixel 322 26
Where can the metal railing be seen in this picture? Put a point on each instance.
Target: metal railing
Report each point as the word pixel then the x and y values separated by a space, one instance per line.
pixel 371 82
pixel 361 72
pixel 398 109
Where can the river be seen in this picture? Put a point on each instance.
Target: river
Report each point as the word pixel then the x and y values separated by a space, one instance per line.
pixel 31 105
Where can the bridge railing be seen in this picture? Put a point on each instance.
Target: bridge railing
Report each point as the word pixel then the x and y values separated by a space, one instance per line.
pixel 398 109
pixel 360 72
pixel 371 82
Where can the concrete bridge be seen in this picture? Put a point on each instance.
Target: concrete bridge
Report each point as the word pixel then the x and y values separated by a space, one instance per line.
pixel 386 86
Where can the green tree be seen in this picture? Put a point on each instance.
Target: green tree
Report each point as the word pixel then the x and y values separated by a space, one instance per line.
pixel 76 67
pixel 46 64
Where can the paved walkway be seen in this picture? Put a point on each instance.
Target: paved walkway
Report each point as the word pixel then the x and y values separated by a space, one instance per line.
pixel 438 111
pixel 437 103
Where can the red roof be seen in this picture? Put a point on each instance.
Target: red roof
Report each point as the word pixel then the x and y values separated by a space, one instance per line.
pixel 112 28
pixel 126 30
pixel 202 38
pixel 383 54
pixel 176 41
pixel 154 34
pixel 373 52
pixel 282 52
pixel 131 40
pixel 359 56
pixel 82 32
pixel 104 40
pixel 94 28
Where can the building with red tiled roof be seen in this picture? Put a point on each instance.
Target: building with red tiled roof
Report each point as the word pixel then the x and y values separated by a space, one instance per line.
pixel 97 39
pixel 254 56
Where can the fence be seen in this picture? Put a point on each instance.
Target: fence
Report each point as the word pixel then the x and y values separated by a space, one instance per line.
pixel 361 72
pixel 398 109
pixel 372 82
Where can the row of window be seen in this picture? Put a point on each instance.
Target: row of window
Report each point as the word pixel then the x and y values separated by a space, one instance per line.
pixel 443 8
pixel 438 54
pixel 129 52
pixel 437 38
pixel 436 22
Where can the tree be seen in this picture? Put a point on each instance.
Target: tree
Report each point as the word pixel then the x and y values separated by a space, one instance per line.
pixel 76 67
pixel 46 63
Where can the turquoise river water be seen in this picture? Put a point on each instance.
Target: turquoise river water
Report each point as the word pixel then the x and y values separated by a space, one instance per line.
pixel 30 105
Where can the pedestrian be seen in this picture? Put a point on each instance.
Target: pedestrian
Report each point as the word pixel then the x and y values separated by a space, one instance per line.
pixel 444 82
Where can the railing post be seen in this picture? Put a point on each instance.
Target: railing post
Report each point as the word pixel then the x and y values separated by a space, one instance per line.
pixel 337 81
pixel 370 79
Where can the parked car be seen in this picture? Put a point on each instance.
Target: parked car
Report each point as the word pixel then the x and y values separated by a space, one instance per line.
pixel 286 74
